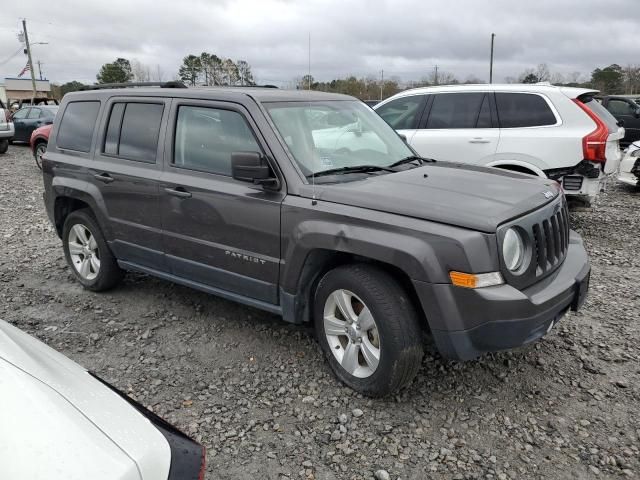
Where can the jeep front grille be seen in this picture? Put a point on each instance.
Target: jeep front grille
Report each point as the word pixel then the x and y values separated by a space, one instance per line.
pixel 551 240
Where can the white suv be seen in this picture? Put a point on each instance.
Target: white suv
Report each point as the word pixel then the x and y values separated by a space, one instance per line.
pixel 556 132
pixel 6 128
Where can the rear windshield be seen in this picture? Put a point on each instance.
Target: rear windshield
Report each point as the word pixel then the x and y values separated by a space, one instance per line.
pixel 604 114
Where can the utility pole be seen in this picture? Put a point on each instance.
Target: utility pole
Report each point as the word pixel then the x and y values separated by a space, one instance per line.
pixel 40 69
pixel 493 35
pixel 33 75
pixel 381 83
pixel 309 70
pixel 435 78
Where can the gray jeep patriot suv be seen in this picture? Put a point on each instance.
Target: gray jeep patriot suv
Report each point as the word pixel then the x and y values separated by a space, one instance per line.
pixel 310 206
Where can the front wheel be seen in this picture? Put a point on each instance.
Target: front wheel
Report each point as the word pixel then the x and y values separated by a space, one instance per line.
pixel 4 145
pixel 87 252
pixel 368 329
pixel 40 150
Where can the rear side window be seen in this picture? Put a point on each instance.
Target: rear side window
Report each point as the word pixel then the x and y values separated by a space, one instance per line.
pixel 77 124
pixel 456 110
pixel 34 113
pixel 133 130
pixel 402 113
pixel 206 138
pixel 523 110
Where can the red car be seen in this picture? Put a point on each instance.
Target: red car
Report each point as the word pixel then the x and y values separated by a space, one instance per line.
pixel 38 142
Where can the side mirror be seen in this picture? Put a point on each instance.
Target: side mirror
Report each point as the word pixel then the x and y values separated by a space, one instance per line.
pixel 403 137
pixel 637 113
pixel 251 167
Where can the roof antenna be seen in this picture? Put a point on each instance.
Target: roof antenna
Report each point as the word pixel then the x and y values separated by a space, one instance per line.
pixel 313 156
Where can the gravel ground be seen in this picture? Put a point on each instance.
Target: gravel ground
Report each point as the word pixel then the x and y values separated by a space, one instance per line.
pixel 257 392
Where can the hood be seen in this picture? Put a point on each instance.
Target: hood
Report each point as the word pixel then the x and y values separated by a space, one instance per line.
pixel 44 436
pixel 56 412
pixel 467 196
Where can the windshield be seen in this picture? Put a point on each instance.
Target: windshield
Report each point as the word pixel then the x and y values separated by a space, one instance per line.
pixel 336 134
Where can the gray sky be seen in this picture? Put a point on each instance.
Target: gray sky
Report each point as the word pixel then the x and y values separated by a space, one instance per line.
pixel 406 38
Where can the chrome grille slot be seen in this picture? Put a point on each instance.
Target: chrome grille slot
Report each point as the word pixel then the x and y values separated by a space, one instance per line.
pixel 551 240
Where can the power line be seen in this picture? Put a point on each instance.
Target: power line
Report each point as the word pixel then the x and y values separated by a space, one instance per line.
pixel 12 55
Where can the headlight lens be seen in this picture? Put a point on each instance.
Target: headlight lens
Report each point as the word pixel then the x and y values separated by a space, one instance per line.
pixel 513 249
pixel 635 153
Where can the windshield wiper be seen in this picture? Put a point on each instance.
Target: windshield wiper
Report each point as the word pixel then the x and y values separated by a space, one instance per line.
pixel 410 159
pixel 352 169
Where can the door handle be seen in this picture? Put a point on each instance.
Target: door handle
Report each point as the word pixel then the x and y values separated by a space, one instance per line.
pixel 104 177
pixel 178 192
pixel 479 140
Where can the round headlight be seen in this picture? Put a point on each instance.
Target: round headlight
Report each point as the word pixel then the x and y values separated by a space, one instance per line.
pixel 513 250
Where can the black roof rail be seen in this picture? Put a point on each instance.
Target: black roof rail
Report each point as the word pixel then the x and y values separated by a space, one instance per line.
pixel 104 86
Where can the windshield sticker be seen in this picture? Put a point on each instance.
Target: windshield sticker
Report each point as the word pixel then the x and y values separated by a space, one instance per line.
pixel 326 162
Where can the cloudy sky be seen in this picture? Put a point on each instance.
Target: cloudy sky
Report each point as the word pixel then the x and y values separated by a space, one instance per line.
pixel 406 38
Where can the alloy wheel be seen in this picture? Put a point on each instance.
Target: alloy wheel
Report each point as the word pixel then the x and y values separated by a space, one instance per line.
pixel 352 333
pixel 84 252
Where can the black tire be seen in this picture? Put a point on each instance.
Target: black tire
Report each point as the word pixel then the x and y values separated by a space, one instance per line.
pixel 398 331
pixel 108 274
pixel 4 145
pixel 39 150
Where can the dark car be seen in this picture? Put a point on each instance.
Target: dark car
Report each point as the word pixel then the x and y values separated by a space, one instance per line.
pixel 27 119
pixel 308 205
pixel 627 112
pixel 38 142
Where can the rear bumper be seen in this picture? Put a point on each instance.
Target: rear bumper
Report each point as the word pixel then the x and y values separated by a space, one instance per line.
pixel 466 323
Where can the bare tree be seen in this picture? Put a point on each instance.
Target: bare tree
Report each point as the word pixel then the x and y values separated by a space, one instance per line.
pixel 157 75
pixel 557 78
pixel 140 71
pixel 542 72
pixel 244 72
pixel 472 79
pixel 632 79
pixel 574 77
pixel 443 78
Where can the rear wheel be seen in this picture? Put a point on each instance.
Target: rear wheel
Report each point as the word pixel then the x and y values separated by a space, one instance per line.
pixel 368 329
pixel 41 148
pixel 4 145
pixel 87 252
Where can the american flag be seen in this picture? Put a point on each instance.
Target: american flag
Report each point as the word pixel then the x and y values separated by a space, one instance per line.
pixel 26 68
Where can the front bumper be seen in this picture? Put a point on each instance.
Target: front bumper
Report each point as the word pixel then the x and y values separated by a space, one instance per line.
pixel 7 130
pixel 630 170
pixel 466 323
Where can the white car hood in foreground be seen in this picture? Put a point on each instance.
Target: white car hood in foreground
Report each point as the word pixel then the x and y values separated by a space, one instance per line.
pixel 58 422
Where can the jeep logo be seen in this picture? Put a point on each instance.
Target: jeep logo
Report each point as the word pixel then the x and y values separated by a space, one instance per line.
pixel 548 194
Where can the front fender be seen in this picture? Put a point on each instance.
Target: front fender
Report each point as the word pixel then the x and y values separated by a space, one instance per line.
pixel 423 250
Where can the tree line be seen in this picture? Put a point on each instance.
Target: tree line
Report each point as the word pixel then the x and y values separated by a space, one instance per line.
pixel 210 69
